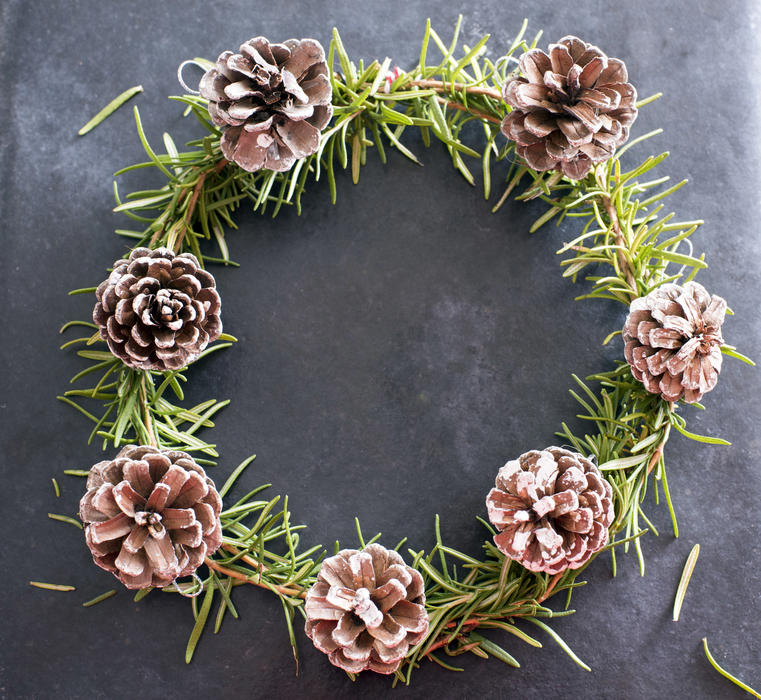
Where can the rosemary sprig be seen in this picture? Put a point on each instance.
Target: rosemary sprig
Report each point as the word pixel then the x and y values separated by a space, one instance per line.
pixel 135 405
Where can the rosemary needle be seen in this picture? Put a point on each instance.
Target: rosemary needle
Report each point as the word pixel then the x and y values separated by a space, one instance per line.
pixel 65 519
pixel 689 567
pixel 52 586
pixel 98 599
pixel 726 674
pixel 109 109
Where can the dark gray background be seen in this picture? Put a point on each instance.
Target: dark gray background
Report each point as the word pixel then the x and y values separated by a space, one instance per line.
pixel 395 350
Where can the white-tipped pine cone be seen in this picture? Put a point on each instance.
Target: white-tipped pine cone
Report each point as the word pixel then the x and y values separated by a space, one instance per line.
pixel 366 610
pixel 673 340
pixel 158 310
pixel 553 509
pixel 150 515
pixel 571 108
pixel 272 101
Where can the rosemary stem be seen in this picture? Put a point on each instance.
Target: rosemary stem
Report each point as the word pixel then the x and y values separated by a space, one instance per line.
pixel 246 558
pixel 282 590
pixel 263 568
pixel 143 395
pixel 189 211
pixel 470 110
pixel 442 86
pixel 550 587
pixel 615 226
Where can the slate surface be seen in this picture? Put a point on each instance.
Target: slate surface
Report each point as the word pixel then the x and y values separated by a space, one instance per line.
pixel 395 350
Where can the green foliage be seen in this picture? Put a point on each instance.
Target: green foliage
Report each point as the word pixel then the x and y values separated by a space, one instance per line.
pixel 201 192
pixel 628 245
pixel 465 594
pixel 259 547
pixel 623 230
pixel 135 405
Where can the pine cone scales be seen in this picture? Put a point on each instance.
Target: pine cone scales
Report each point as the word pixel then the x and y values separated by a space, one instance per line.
pixel 571 108
pixel 673 340
pixel 158 310
pixel 366 610
pixel 151 516
pixel 272 100
pixel 553 509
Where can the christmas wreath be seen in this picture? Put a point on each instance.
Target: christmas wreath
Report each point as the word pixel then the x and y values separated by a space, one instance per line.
pixel 556 123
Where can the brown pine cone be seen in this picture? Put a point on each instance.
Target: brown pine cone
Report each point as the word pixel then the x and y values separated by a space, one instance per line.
pixel 553 509
pixel 366 610
pixel 272 101
pixel 673 340
pixel 150 515
pixel 571 108
pixel 158 310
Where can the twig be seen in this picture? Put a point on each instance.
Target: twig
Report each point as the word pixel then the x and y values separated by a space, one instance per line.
pixel 282 590
pixel 550 588
pixel 252 562
pixel 194 194
pixel 189 211
pixel 477 620
pixel 656 456
pixel 615 226
pixel 442 86
pixel 470 110
pixel 245 557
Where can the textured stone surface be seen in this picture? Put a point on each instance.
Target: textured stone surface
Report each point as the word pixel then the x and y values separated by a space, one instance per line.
pixel 377 351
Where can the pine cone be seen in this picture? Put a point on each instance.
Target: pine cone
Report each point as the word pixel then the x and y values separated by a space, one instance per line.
pixel 572 108
pixel 553 509
pixel 158 310
pixel 151 516
pixel 366 609
pixel 272 100
pixel 673 340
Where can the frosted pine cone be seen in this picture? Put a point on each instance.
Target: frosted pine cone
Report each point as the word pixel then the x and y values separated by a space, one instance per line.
pixel 366 609
pixel 158 310
pixel 272 101
pixel 150 515
pixel 673 340
pixel 571 108
pixel 553 509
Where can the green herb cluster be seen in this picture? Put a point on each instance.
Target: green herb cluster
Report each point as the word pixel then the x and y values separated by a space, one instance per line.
pixel 135 403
